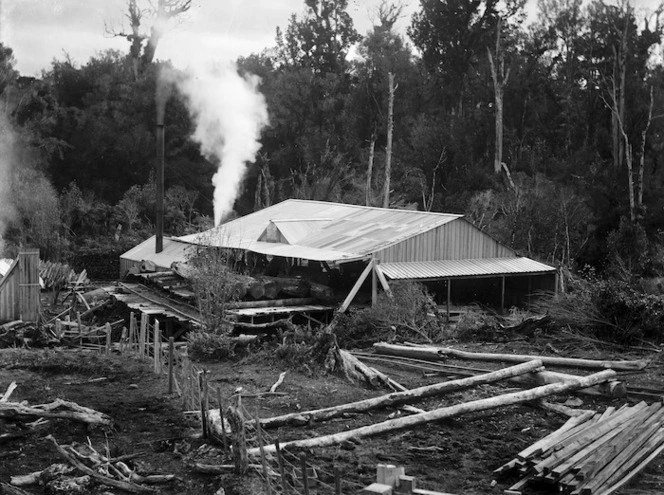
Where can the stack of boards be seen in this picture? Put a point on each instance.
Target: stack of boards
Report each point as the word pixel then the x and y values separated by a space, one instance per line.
pixel 592 453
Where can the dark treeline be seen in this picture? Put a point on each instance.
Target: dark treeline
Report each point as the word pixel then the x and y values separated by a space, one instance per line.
pixel 548 135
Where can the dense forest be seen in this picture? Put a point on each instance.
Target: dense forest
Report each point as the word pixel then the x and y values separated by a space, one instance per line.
pixel 547 134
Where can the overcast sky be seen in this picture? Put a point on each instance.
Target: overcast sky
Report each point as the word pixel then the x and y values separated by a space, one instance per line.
pixel 40 30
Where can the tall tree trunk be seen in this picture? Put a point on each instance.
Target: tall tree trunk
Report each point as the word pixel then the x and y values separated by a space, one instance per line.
pixel 388 148
pixel 500 78
pixel 367 189
pixel 642 157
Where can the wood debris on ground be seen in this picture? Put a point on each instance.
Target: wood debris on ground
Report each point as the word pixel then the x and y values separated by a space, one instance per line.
pixel 96 468
pixel 58 409
pixel 592 453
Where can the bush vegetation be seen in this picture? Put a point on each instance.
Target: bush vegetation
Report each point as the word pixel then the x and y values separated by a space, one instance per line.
pixel 611 310
pixel 206 346
pixel 410 314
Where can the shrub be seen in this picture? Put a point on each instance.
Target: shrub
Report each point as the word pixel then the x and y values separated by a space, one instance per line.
pixel 204 346
pixel 410 314
pixel 294 351
pixel 608 309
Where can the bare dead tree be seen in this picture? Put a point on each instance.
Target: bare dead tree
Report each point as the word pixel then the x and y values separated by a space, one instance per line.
pixel 642 157
pixel 143 41
pixel 368 190
pixel 388 148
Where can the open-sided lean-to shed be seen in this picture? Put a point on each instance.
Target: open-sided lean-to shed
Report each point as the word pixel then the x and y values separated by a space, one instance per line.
pixel 394 244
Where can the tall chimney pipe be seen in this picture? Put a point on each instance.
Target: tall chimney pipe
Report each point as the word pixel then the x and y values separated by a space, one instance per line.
pixel 159 209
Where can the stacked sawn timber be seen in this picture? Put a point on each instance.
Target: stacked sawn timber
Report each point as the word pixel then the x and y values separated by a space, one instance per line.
pixel 593 453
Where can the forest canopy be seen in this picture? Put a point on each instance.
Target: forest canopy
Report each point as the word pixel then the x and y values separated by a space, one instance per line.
pixel 547 134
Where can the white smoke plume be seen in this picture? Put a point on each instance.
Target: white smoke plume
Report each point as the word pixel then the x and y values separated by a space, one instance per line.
pixel 229 113
pixel 7 211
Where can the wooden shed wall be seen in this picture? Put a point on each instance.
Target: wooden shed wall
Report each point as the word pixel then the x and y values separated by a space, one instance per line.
pixel 19 289
pixel 456 240
pixel 9 288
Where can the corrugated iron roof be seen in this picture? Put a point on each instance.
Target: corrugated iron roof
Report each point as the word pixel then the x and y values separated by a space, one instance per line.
pixel 350 231
pixel 420 270
pixel 174 249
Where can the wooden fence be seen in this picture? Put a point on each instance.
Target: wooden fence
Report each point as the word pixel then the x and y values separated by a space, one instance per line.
pixel 20 289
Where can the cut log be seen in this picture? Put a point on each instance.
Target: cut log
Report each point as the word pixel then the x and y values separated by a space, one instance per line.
pixel 43 476
pixel 398 398
pixel 274 303
pixel 57 409
pixel 241 325
pixel 443 413
pixel 322 292
pixel 436 353
pixel 614 389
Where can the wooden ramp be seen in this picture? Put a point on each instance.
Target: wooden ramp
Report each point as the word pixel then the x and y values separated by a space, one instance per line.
pixel 153 303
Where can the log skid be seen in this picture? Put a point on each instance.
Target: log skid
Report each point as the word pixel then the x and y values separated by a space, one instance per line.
pixel 444 413
pixel 438 353
pixel 398 398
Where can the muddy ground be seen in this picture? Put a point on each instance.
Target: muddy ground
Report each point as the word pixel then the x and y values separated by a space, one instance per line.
pixel 455 456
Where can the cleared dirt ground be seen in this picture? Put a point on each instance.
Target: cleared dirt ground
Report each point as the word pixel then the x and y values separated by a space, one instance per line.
pixel 456 456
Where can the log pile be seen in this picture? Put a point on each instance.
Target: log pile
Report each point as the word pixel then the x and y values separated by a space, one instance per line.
pixel 592 453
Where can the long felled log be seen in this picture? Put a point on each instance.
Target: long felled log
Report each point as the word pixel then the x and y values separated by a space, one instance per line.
pixel 397 398
pixel 436 353
pixel 57 409
pixel 612 388
pixel 443 413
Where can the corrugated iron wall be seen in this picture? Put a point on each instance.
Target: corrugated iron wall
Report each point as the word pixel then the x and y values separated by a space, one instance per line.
pixel 20 289
pixel 456 240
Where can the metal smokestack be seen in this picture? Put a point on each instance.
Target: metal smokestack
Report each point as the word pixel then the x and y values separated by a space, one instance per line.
pixel 163 92
pixel 159 207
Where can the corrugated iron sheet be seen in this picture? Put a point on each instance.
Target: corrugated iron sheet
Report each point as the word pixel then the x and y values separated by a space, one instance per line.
pixel 421 270
pixel 174 250
pixel 352 231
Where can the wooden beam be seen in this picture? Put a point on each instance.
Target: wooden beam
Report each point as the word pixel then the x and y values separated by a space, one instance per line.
pixel 374 283
pixel 353 292
pixel 383 280
pixel 502 294
pixel 449 297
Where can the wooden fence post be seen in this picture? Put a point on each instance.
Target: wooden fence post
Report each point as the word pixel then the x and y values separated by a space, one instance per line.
pixel 282 470
pixel 157 347
pixel 259 435
pixel 142 335
pixel 202 383
pixel 305 476
pixel 108 330
pixel 132 330
pixel 171 345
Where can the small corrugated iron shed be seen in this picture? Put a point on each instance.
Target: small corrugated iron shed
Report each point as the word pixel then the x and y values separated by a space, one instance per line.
pixel 174 249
